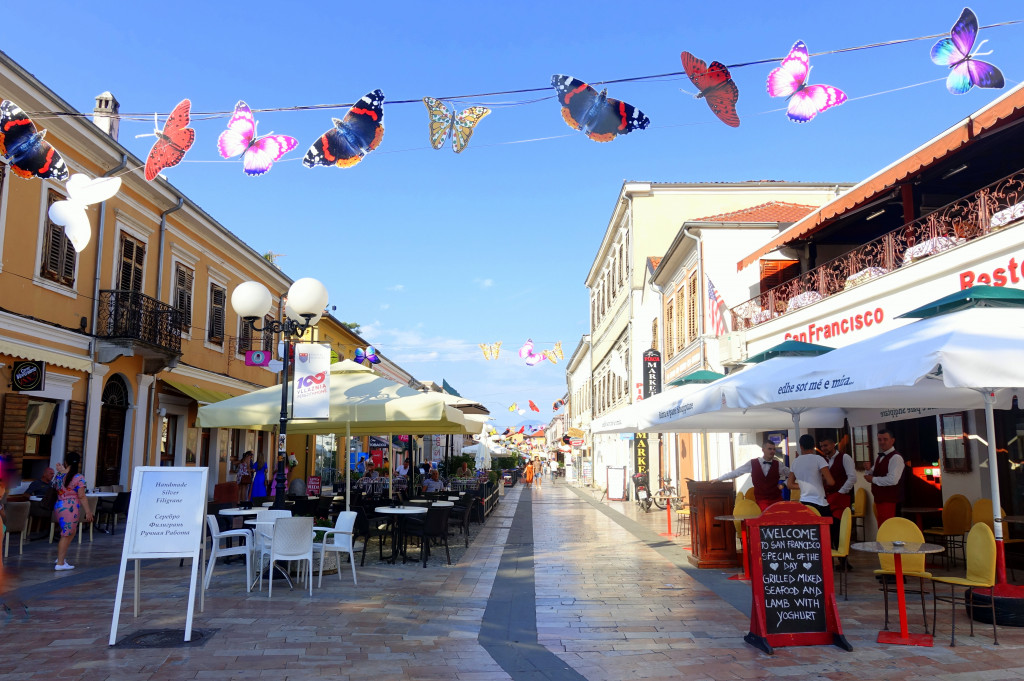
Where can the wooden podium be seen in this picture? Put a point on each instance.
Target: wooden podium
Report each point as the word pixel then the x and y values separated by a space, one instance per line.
pixel 714 541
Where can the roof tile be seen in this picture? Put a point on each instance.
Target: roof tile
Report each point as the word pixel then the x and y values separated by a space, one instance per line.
pixel 773 211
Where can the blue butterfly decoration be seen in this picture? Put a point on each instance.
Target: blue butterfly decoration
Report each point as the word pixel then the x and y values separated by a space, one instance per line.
pixel 966 70
pixel 369 354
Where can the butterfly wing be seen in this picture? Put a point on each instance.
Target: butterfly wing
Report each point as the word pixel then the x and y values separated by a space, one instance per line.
pixel 486 350
pixel 173 143
pixel 240 133
pixel 497 349
pixel 356 135
pixel 613 118
pixel 812 100
pixel 26 151
pixel 788 78
pixel 722 101
pixel 440 123
pixel 965 32
pixel 463 124
pixel 262 153
pixel 984 74
pixel 577 99
pixel 716 87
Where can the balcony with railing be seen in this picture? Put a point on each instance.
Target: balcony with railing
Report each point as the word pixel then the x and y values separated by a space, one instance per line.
pixel 131 323
pixel 971 217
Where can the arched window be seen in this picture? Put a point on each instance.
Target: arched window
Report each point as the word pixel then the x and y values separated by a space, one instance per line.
pixel 115 393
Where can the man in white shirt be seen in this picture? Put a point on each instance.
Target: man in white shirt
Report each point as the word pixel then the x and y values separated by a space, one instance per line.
pixel 885 477
pixel 810 474
pixel 766 472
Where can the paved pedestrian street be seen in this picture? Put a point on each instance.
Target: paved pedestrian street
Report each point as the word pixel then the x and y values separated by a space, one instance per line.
pixel 557 584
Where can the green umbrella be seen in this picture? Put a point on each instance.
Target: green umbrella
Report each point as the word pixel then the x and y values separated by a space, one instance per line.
pixel 701 376
pixel 976 296
pixel 790 348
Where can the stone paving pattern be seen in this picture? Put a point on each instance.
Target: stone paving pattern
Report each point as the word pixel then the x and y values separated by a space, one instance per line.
pixel 613 601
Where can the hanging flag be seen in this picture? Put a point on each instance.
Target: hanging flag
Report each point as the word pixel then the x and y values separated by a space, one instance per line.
pixel 311 389
pixel 718 312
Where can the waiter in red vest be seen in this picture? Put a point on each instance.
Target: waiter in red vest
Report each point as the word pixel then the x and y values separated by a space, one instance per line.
pixel 885 477
pixel 766 473
pixel 844 476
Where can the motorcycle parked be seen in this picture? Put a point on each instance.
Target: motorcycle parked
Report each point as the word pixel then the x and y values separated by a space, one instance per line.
pixel 643 492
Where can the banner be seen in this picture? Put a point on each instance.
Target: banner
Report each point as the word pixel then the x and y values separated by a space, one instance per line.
pixel 652 373
pixel 311 394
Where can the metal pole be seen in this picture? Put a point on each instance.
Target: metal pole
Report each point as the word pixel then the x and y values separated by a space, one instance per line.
pixel 348 466
pixel 282 442
pixel 993 478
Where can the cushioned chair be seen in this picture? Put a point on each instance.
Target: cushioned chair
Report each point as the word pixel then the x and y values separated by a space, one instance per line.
pixel 119 507
pixel 292 540
pixel 860 511
pixel 340 540
pixel 956 521
pixel 901 529
pixel 981 574
pixel 244 548
pixel 17 523
pixel 845 528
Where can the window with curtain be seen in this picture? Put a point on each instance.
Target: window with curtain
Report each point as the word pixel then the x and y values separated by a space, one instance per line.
pixel 862 447
pixel 58 257
pixel 215 325
pixel 953 438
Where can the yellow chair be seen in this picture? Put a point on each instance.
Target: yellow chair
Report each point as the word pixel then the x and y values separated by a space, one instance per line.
pixel 956 522
pixel 981 574
pixel 843 551
pixel 982 513
pixel 794 495
pixel 860 510
pixel 901 529
pixel 749 494
pixel 744 507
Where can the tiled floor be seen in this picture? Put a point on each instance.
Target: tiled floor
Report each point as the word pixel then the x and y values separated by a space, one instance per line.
pixel 614 601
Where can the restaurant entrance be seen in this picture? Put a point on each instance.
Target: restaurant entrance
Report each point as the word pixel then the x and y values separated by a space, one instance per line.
pixel 113 416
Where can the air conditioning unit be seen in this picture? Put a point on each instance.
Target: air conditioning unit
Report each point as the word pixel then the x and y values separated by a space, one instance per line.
pixel 732 348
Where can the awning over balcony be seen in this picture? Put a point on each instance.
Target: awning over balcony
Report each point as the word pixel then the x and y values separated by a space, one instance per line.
pixel 41 354
pixel 200 395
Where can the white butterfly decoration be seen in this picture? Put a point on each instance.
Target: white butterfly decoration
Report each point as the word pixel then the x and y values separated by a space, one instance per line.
pixel 70 214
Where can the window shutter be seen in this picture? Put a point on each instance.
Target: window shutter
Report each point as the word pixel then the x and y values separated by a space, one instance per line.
pixel 692 294
pixel 76 426
pixel 183 278
pixel 680 318
pixel 14 427
pixel 215 332
pixel 68 257
pixel 776 272
pixel 670 347
pixel 244 336
pixel 133 255
pixel 140 258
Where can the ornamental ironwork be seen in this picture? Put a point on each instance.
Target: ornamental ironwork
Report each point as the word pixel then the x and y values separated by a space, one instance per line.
pixel 134 316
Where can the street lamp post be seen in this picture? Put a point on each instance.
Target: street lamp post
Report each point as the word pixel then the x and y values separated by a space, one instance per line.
pixel 305 304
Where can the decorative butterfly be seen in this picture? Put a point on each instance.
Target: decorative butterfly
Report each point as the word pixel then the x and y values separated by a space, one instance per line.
pixel 600 117
pixel 172 142
pixel 790 80
pixel 70 213
pixel 533 407
pixel 369 354
pixel 491 350
pixel 351 138
pixel 258 153
pixel 550 356
pixel 23 148
pixel 557 350
pixel 955 52
pixel 527 349
pixel 716 87
pixel 514 406
pixel 444 122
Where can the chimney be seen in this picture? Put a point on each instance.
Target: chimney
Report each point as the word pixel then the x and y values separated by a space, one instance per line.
pixel 105 115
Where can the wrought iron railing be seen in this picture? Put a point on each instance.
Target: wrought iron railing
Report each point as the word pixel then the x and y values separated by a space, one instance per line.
pixel 130 315
pixel 987 210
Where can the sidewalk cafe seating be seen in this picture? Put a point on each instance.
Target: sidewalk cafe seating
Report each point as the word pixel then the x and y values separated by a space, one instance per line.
pixel 433 526
pixel 860 510
pixel 956 521
pixel 460 518
pixel 94 509
pixel 340 540
pixel 845 527
pixel 118 508
pixel 292 540
pixel 244 548
pixel 17 523
pixel 982 513
pixel 981 574
pixel 369 525
pixel 901 529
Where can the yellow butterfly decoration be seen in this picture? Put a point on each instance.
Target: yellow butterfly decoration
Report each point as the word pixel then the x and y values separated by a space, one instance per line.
pixel 550 354
pixel 557 350
pixel 514 406
pixel 491 350
pixel 445 122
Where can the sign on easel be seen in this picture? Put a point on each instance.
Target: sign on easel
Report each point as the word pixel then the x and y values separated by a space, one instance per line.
pixel 165 520
pixel 791 580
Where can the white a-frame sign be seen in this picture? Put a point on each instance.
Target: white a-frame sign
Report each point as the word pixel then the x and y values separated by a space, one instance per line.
pixel 165 520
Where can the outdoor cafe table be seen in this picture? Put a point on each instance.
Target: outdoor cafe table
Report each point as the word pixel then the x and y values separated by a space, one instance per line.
pixel 668 510
pixel 743 540
pixel 398 533
pixel 918 511
pixel 898 550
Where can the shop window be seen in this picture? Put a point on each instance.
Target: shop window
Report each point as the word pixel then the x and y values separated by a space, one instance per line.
pixel 953 443
pixel 861 447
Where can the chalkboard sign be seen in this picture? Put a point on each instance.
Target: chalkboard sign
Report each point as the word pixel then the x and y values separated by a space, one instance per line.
pixel 794 595
pixel 791 580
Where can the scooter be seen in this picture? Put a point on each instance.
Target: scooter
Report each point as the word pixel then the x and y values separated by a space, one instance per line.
pixel 643 494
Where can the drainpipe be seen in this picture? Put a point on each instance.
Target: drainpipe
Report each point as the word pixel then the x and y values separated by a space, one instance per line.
pixel 705 456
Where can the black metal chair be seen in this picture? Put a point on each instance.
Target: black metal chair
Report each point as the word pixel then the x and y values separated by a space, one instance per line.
pixel 119 507
pixel 369 526
pixel 460 517
pixel 433 526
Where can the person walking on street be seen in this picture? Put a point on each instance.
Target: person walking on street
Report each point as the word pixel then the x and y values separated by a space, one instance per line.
pixel 766 472
pixel 553 465
pixel 885 477
pixel 810 475
pixel 71 502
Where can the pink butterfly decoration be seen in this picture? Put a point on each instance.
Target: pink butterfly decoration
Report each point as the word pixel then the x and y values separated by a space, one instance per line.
pixel 790 80
pixel 258 154
pixel 526 352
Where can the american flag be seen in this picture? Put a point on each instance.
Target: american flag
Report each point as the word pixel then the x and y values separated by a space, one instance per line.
pixel 717 307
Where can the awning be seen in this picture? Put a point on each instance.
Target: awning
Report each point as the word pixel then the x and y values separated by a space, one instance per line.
pixel 39 354
pixel 200 395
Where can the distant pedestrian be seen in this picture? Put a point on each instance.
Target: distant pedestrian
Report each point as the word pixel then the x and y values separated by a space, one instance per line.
pixel 70 504
pixel 553 466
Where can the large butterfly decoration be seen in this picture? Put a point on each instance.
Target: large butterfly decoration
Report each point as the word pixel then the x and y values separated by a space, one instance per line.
pixel 526 352
pixel 514 406
pixel 790 80
pixel 533 407
pixel 445 122
pixel 716 86
pixel 83 191
pixel 369 354
pixel 23 148
pixel 351 138
pixel 172 142
pixel 955 52
pixel 490 350
pixel 557 350
pixel 599 116
pixel 258 153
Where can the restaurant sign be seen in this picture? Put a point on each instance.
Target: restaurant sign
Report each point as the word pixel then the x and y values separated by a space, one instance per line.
pixel 28 376
pixel 652 373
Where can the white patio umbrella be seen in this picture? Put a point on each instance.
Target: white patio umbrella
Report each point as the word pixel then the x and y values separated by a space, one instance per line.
pixel 967 359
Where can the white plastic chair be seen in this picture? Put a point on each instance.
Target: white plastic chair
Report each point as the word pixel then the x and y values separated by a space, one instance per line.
pixel 217 551
pixel 292 540
pixel 264 533
pixel 338 540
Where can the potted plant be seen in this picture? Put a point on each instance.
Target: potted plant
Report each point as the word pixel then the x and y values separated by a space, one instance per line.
pixel 320 527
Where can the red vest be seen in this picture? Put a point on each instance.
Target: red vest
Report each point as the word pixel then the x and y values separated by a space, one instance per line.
pixel 889 493
pixel 766 487
pixel 838 471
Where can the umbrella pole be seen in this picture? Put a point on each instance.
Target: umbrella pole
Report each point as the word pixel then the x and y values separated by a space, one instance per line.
pixel 348 467
pixel 993 477
pixel 391 467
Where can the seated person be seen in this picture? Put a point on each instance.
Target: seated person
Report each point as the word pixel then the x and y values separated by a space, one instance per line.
pixel 433 483
pixel 39 487
pixel 464 471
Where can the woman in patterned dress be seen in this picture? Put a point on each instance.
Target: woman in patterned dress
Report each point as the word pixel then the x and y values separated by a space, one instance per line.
pixel 70 502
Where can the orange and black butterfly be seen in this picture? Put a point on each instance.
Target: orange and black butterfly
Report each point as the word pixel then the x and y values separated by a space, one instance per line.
pixel 716 87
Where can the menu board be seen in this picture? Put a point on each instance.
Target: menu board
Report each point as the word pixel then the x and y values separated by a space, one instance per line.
pixel 165 516
pixel 793 578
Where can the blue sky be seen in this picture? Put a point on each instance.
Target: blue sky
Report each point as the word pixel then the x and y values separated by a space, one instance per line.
pixel 434 252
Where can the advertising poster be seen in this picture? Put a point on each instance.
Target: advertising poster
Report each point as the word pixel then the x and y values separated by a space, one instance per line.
pixel 311 392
